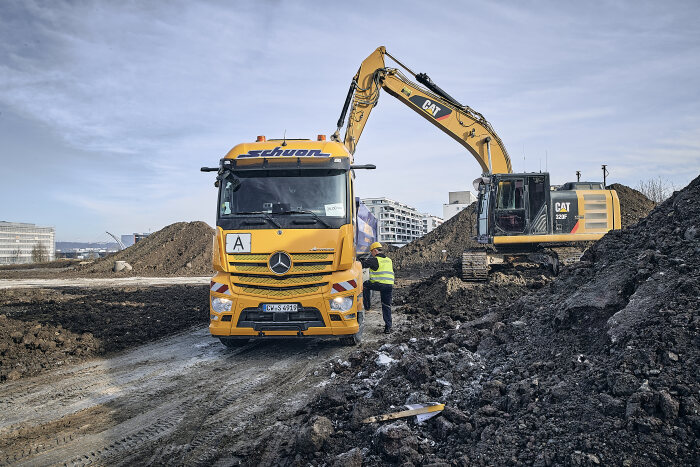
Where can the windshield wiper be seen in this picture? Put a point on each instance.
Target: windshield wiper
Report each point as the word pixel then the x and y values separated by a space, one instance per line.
pixel 261 214
pixel 311 213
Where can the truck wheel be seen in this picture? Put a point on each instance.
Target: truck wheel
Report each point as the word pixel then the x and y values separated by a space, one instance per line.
pixel 232 342
pixel 355 339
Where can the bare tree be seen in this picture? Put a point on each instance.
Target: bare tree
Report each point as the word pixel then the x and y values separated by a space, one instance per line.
pixel 15 255
pixel 40 254
pixel 656 189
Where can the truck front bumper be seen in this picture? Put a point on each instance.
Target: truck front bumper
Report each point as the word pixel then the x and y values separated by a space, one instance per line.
pixel 313 318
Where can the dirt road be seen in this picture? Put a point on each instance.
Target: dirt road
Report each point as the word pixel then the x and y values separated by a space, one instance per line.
pixel 186 399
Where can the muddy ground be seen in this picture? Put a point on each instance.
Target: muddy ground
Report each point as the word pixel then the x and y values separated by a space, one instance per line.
pixel 598 366
pixel 41 329
pixel 179 400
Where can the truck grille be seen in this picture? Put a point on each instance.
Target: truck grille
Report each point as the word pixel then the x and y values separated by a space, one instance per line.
pixel 254 270
pixel 277 280
pixel 276 292
pixel 248 257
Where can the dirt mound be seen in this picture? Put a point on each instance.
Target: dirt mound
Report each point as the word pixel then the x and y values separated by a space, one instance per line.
pixel 445 294
pixel 180 249
pixel 600 367
pixel 454 236
pixel 45 328
pixel 633 204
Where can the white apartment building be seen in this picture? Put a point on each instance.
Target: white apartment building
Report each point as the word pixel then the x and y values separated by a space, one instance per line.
pixel 431 223
pixel 459 200
pixel 19 240
pixel 398 223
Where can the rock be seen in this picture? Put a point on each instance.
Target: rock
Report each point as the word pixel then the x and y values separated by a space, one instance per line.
pixel 392 438
pixel 455 415
pixel 312 436
pixel 442 427
pixel 351 458
pixel 669 407
pixel 333 397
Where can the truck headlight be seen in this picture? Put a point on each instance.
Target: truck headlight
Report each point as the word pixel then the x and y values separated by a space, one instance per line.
pixel 341 303
pixel 221 304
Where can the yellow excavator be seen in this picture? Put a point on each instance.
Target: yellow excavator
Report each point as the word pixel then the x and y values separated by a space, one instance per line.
pixel 518 214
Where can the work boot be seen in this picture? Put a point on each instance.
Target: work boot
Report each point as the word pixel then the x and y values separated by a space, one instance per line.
pixel 387 329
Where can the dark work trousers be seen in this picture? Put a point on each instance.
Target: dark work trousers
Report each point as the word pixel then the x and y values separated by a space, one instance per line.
pixel 385 291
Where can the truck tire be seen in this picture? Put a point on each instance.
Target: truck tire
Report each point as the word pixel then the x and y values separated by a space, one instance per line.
pixel 355 339
pixel 233 342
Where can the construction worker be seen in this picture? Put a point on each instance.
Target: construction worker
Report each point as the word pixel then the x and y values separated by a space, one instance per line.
pixel 381 278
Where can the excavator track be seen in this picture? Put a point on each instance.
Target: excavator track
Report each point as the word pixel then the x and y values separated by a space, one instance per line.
pixel 475 266
pixel 568 254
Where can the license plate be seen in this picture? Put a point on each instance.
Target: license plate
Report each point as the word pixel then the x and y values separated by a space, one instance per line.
pixel 280 307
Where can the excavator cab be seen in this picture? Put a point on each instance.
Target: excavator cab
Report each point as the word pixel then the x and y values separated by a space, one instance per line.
pixel 512 204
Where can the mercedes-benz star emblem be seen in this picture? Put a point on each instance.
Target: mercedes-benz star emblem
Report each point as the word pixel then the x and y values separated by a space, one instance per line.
pixel 280 263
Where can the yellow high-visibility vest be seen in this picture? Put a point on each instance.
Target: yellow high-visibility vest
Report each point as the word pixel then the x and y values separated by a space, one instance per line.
pixel 385 273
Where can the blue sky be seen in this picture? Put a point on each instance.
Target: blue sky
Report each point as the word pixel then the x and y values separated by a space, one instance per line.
pixel 108 109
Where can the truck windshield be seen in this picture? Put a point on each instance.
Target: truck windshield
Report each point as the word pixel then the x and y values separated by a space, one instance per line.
pixel 321 193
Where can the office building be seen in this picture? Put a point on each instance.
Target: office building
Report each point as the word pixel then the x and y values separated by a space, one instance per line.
pixel 26 243
pixel 430 223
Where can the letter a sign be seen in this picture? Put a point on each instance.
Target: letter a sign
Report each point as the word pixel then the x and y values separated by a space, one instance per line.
pixel 238 243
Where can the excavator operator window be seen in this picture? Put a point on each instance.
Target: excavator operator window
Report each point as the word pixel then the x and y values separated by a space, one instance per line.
pixel 510 206
pixel 511 194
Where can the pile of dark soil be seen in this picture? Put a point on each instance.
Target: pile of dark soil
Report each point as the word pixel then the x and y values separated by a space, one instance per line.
pixel 445 294
pixel 633 204
pixel 45 328
pixel 454 236
pixel 599 367
pixel 180 249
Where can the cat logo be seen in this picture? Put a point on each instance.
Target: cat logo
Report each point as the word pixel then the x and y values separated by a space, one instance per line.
pixel 561 207
pixel 438 112
pixel 431 108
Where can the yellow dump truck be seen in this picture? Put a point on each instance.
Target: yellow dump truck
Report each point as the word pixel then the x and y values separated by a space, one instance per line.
pixel 286 243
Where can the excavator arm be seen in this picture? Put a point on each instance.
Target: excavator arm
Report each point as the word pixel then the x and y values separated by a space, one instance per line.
pixel 466 126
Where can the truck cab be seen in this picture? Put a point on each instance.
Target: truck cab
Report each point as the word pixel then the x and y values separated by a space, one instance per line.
pixel 285 244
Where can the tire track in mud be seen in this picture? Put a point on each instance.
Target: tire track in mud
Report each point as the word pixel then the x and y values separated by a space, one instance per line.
pixel 182 400
pixel 250 405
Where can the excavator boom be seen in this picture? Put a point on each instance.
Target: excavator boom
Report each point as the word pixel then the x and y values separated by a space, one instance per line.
pixel 460 122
